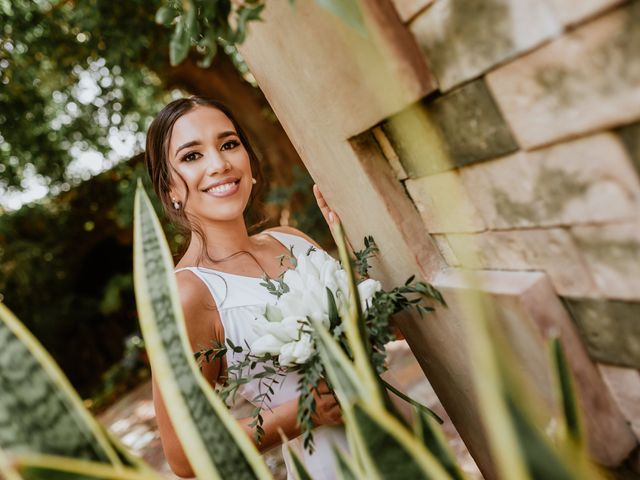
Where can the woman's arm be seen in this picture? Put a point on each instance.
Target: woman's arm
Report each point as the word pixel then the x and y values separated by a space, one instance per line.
pixel 283 418
pixel 201 318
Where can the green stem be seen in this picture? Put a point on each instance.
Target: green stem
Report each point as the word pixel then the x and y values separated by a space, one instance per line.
pixel 416 404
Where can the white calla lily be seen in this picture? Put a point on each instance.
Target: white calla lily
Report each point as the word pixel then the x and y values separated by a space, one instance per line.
pixel 267 344
pixel 366 290
pixel 282 330
pixel 297 352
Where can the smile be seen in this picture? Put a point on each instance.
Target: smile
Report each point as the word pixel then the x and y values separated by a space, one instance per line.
pixel 224 189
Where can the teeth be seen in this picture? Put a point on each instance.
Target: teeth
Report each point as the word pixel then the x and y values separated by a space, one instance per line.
pixel 222 188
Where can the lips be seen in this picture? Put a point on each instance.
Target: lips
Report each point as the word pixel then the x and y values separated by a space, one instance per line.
pixel 224 187
pixel 221 182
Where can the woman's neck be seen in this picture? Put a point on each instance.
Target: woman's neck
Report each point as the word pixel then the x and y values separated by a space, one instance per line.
pixel 222 240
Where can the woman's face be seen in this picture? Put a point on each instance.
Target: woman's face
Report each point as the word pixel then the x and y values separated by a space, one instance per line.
pixel 206 151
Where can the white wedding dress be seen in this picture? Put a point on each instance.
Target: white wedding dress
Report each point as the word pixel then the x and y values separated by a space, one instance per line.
pixel 240 300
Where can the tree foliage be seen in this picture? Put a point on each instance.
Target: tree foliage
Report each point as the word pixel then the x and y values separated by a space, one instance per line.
pixel 74 75
pixel 65 265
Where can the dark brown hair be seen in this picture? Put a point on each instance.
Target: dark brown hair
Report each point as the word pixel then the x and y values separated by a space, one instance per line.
pixel 160 169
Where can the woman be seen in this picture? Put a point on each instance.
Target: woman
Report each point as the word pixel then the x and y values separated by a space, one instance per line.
pixel 205 173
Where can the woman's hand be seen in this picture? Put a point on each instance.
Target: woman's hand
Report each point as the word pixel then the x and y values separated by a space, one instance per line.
pixel 329 215
pixel 327 408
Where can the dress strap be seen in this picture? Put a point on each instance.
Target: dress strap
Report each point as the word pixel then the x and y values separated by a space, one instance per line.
pixel 299 244
pixel 215 282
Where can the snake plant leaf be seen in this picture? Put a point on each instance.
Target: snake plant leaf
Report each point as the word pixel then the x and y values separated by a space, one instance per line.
pixel 126 457
pixel 345 467
pixel 300 471
pixel 348 11
pixel 395 452
pixel 342 375
pixel 572 420
pixel 519 444
pixel 355 327
pixel 375 434
pixel 51 467
pixel 428 430
pixel 7 468
pixel 541 457
pixel 412 402
pixel 40 412
pixel 215 444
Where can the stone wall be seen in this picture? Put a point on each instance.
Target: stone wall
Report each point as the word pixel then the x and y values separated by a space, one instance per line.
pixel 492 136
pixel 536 128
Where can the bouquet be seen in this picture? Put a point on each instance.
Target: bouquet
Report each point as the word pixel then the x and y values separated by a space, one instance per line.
pixel 315 289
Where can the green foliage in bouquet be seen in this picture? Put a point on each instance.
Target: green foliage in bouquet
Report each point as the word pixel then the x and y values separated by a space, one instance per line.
pixel 377 329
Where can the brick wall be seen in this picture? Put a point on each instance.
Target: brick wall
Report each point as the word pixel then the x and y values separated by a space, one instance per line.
pixel 528 156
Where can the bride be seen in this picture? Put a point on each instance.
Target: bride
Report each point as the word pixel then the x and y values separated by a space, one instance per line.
pixel 206 174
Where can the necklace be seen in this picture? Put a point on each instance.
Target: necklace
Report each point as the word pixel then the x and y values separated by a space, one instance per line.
pixel 239 252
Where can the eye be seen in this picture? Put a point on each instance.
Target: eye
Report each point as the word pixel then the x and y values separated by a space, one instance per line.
pixel 229 145
pixel 190 157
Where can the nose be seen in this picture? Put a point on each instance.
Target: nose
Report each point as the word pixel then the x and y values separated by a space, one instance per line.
pixel 217 164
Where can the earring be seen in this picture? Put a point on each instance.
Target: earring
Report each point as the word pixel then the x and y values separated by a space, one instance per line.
pixel 176 204
pixel 253 180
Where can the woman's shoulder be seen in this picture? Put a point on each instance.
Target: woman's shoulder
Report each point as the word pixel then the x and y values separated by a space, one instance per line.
pixel 191 289
pixel 292 231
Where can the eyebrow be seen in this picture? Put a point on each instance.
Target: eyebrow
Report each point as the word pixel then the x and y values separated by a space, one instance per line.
pixel 226 133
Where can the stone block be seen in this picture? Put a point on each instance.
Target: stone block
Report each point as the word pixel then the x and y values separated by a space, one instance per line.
pixel 527 311
pixel 624 385
pixel 407 9
pixel 320 71
pixel 462 39
pixel 415 137
pixel 610 329
pixel 570 12
pixel 445 249
pixel 389 201
pixel 457 129
pixel 586 80
pixel 612 254
pixel 389 153
pixel 630 135
pixel 471 124
pixel 560 185
pixel 550 250
pixel 444 204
